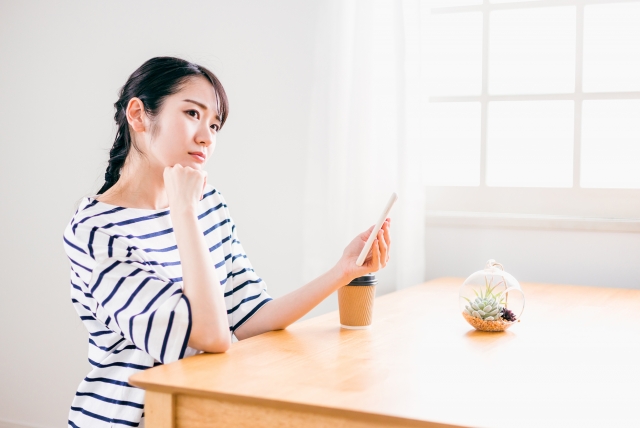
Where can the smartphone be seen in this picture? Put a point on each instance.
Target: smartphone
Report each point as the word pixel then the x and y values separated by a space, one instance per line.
pixel 374 232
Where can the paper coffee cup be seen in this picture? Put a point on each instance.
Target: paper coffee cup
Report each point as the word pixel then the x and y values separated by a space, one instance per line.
pixel 355 301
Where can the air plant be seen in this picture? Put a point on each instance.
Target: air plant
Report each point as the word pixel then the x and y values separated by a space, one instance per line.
pixel 489 306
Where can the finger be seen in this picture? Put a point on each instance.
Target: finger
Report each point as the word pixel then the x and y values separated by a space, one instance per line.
pixel 204 184
pixel 382 245
pixel 375 260
pixel 387 239
pixel 365 235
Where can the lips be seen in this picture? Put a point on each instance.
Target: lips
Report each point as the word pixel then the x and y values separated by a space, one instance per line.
pixel 199 155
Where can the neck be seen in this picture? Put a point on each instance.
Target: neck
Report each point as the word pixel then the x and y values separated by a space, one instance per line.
pixel 141 185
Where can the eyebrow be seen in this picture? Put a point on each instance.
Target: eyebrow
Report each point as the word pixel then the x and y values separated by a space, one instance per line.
pixel 202 106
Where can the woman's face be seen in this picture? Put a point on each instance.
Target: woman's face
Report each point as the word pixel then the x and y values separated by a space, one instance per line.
pixel 184 132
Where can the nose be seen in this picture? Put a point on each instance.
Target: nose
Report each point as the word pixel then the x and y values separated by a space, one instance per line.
pixel 206 137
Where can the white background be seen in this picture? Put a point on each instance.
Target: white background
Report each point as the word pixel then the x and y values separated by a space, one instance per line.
pixel 61 65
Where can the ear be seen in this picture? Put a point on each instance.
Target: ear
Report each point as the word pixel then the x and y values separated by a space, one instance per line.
pixel 136 115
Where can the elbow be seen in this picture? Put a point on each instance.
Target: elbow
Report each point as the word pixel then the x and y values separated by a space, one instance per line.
pixel 211 343
pixel 219 348
pixel 217 345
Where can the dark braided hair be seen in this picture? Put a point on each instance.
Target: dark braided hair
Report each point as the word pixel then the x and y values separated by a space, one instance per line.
pixel 155 80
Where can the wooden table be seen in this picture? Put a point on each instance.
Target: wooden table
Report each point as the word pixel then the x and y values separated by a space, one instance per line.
pixel 573 360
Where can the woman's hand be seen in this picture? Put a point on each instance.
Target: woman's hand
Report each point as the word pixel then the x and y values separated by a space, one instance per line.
pixel 281 312
pixel 376 259
pixel 184 186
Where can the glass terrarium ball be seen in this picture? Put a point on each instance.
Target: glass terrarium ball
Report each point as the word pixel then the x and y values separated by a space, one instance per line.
pixel 491 299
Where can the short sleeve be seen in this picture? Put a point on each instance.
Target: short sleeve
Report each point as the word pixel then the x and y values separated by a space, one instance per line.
pixel 245 291
pixel 148 309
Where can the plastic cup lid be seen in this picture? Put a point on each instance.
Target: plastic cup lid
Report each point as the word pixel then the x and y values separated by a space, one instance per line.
pixel 369 279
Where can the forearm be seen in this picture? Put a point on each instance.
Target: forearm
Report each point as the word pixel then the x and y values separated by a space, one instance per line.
pixel 283 311
pixel 210 327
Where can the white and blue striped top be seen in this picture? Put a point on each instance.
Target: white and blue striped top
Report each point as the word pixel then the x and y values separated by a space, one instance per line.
pixel 126 285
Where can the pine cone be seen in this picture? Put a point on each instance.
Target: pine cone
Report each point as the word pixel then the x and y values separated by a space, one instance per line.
pixel 508 315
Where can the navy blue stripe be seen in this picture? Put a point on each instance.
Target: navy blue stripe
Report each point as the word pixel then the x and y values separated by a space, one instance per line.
pixel 206 195
pixel 77 287
pixel 107 380
pixel 102 418
pixel 230 274
pixel 215 226
pixel 84 306
pixel 110 400
pixel 153 234
pixel 151 302
pixel 253 311
pixel 244 284
pixel 78 264
pixel 103 348
pixel 160 250
pixel 137 219
pixel 248 299
pixel 118 364
pixel 188 334
pixel 78 276
pixel 100 333
pixel 166 336
pixel 87 318
pixel 133 295
pixel 73 246
pixel 90 244
pixel 155 263
pixel 70 422
pixel 126 348
pixel 111 211
pixel 118 284
pixel 227 257
pixel 103 273
pixel 237 256
pixel 210 210
pixel 110 245
pixel 146 335
pixel 219 244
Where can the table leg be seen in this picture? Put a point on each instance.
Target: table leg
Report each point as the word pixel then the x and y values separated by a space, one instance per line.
pixel 159 410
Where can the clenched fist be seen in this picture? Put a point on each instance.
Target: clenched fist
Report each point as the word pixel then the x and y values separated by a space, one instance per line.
pixel 184 186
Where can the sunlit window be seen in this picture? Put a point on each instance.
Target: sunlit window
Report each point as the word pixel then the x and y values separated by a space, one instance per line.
pixel 533 94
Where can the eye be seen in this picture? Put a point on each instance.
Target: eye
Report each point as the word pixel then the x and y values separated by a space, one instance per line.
pixel 193 113
pixel 216 128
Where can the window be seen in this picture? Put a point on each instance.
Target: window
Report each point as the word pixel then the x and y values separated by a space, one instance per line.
pixel 533 107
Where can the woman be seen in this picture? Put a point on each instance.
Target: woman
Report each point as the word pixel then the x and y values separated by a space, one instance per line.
pixel 157 270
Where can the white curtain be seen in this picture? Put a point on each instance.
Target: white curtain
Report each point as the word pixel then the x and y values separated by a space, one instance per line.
pixel 365 135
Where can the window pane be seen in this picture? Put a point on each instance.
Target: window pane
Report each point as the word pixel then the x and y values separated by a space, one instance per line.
pixel 452 152
pixel 530 144
pixel 532 51
pixel 611 47
pixel 610 149
pixel 453 57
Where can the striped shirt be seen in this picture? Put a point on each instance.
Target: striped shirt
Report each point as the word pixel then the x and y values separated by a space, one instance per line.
pixel 126 285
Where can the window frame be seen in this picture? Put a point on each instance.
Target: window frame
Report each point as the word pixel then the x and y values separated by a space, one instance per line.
pixel 572 207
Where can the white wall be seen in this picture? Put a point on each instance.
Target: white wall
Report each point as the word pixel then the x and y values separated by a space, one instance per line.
pixel 603 259
pixel 61 65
